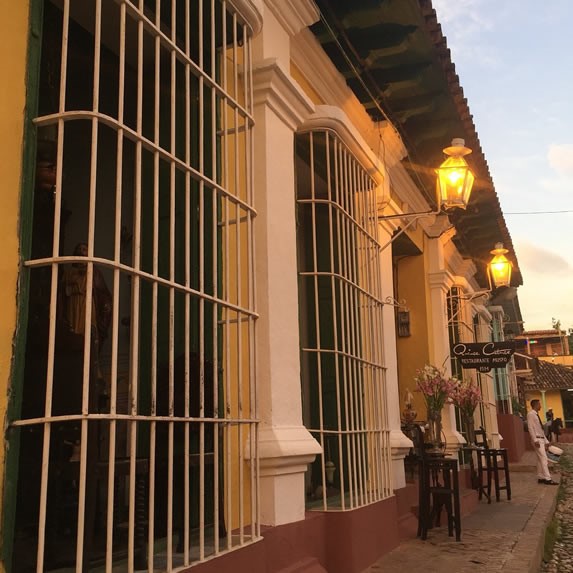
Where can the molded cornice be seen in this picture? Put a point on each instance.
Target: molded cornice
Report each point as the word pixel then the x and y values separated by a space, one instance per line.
pixel 459 266
pixel 285 450
pixel 310 58
pixel 440 229
pixel 441 279
pixel 251 11
pixel 274 87
pixel 333 118
pixel 294 15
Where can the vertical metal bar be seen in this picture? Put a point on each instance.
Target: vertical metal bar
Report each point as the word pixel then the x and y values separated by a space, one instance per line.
pixel 377 342
pixel 332 211
pixel 354 309
pixel 116 291
pixel 215 278
pixel 317 319
pixel 53 295
pixel 360 320
pixel 356 255
pixel 134 359
pixel 171 350
pixel 349 373
pixel 228 405
pixel 154 291
pixel 343 289
pixel 202 291
pixel 252 273
pixel 188 119
pixel 373 259
pixel 226 287
pixel 366 332
pixel 89 297
pixel 238 279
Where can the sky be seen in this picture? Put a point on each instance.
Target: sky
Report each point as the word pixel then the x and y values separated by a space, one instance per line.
pixel 514 59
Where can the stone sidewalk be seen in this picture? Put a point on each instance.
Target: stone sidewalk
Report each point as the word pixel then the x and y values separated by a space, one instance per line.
pixel 503 536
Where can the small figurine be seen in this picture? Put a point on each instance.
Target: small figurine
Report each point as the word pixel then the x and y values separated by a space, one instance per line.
pixel 409 414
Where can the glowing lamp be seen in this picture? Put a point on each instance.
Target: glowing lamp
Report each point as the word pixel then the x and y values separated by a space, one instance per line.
pixel 455 178
pixel 499 268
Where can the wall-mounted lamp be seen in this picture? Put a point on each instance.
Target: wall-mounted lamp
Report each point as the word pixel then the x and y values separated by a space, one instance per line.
pixel 455 178
pixel 403 322
pixel 499 268
pixel 453 185
pixel 402 315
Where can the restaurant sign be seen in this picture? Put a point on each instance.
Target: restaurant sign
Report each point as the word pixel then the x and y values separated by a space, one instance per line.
pixel 483 356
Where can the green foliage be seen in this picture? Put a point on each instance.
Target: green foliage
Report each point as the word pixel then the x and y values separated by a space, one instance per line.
pixel 517 407
pixel 551 536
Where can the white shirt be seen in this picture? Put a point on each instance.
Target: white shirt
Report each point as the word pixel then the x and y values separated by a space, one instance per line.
pixel 534 427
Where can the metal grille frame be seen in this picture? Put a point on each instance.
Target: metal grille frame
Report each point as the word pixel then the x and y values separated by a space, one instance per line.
pixel 182 131
pixel 341 306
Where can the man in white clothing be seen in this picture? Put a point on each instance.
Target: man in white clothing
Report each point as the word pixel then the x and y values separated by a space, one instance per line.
pixel 540 443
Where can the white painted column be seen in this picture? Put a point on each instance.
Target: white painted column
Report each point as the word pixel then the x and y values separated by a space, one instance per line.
pixel 399 442
pixel 439 281
pixel 285 446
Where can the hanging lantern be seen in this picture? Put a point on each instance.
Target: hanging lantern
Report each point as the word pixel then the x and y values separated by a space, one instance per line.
pixel 455 178
pixel 499 268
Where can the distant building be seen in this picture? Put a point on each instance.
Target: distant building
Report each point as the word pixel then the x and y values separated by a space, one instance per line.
pixel 542 343
pixel 552 384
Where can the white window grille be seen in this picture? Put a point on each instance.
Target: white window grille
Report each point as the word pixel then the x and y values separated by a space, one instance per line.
pixel 343 375
pixel 138 393
pixel 500 375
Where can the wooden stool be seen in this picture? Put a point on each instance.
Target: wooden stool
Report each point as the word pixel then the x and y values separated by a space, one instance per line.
pixel 491 461
pixel 439 488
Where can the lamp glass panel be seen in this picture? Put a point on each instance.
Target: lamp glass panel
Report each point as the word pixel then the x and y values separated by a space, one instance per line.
pixel 455 181
pixel 500 271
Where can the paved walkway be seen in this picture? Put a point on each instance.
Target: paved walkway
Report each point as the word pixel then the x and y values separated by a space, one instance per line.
pixel 504 536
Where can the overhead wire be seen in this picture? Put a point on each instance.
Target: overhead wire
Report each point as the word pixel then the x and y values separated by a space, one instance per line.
pixel 372 97
pixel 539 212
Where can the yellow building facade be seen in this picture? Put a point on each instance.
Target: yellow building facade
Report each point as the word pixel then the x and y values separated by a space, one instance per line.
pixel 246 213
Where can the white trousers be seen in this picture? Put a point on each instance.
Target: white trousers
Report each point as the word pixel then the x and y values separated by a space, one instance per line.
pixel 542 469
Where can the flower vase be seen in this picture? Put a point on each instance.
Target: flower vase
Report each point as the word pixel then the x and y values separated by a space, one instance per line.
pixel 435 431
pixel 470 430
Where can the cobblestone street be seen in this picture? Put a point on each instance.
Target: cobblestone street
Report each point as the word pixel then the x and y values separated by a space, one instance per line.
pixel 505 536
pixel 561 528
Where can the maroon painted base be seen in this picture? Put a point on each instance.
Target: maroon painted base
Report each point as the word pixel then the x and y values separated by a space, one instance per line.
pixel 333 542
pixel 515 439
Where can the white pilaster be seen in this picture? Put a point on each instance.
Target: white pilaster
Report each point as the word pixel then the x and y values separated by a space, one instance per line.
pixel 439 281
pixel 285 446
pixel 400 444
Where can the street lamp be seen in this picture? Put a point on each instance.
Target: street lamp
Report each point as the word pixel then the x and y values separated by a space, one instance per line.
pixel 499 268
pixel 455 178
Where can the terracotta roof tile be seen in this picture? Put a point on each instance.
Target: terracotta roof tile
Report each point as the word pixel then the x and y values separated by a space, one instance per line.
pixel 548 376
pixel 530 333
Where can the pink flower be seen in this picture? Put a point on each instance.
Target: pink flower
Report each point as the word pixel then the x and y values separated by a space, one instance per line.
pixel 467 396
pixel 436 387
